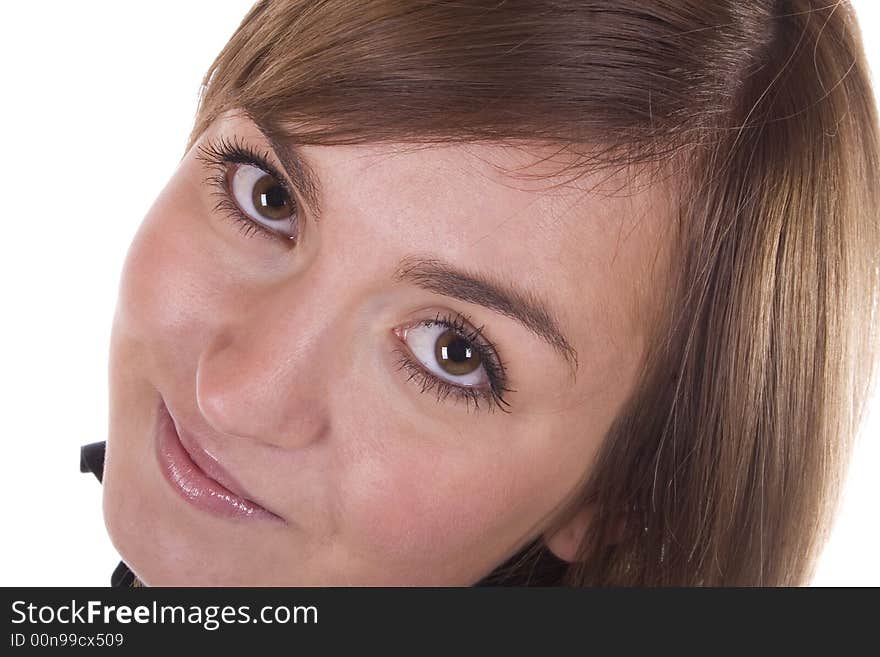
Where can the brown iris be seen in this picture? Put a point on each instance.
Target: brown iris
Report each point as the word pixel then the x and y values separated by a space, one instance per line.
pixel 270 199
pixel 455 354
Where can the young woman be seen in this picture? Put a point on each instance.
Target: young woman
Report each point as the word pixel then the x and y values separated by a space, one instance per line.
pixel 523 292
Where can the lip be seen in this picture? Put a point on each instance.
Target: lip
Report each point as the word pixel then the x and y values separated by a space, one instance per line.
pixel 197 476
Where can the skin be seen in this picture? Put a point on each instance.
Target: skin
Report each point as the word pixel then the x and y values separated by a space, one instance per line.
pixel 283 358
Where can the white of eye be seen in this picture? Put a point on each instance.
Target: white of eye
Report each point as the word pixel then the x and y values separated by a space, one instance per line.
pixel 262 198
pixel 422 342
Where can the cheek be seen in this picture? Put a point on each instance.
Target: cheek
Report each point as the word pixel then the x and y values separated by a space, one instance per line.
pixel 167 288
pixel 433 511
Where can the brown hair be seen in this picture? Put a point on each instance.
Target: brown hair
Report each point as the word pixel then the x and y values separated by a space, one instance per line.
pixel 729 455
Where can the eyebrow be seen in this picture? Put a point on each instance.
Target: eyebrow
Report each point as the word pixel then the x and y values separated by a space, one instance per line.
pixel 440 277
pixel 295 166
pixel 434 275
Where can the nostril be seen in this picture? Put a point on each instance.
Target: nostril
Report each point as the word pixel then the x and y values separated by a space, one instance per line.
pixel 217 403
pixel 286 417
pixel 259 381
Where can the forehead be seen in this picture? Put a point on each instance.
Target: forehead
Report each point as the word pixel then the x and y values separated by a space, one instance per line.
pixel 591 248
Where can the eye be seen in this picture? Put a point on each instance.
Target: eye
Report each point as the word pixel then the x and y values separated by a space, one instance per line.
pixel 455 360
pixel 446 354
pixel 249 189
pixel 262 198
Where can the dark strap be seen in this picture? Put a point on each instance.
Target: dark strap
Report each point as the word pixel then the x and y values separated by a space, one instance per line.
pixel 91 459
pixel 122 576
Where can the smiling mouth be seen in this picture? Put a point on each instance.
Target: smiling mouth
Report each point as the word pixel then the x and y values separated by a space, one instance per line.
pixel 197 476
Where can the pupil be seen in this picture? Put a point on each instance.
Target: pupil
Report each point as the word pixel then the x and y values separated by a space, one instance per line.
pixel 270 198
pixel 456 354
pixel 273 197
pixel 457 351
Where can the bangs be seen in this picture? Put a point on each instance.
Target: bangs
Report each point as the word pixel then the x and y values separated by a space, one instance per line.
pixel 612 83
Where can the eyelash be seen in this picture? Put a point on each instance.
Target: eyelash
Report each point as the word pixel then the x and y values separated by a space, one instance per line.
pixel 217 156
pixel 488 353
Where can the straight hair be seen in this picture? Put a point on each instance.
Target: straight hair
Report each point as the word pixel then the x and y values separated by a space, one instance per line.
pixel 728 458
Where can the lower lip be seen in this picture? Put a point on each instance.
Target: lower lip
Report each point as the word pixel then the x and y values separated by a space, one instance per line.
pixel 192 483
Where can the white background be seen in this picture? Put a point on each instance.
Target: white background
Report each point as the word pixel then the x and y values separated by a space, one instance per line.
pixel 97 102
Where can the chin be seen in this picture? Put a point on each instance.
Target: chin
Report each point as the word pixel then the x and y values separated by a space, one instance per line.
pixel 163 557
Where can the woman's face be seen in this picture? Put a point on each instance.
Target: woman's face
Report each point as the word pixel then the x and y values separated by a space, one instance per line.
pixel 273 420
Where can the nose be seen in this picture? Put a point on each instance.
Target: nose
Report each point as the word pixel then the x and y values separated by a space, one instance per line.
pixel 263 377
